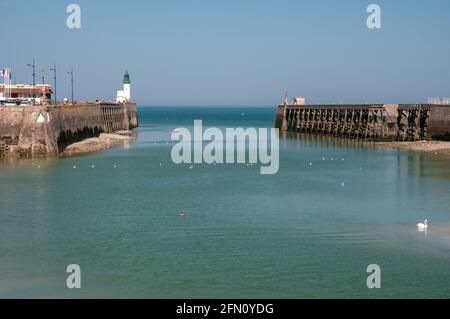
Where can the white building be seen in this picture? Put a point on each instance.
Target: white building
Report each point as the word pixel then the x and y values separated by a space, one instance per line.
pixel 299 100
pixel 41 93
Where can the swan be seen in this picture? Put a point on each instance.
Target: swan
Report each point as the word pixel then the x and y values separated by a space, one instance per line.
pixel 422 226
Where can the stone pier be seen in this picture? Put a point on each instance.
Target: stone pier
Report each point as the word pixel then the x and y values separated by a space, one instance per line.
pixel 28 131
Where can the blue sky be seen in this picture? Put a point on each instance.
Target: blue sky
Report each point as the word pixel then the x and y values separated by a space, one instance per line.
pixel 234 52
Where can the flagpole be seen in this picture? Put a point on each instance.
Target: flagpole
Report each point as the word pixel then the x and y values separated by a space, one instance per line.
pixel 4 83
pixel 9 83
pixel 6 76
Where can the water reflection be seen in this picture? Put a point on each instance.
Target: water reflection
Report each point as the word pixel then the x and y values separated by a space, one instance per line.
pixel 323 140
pixel 15 162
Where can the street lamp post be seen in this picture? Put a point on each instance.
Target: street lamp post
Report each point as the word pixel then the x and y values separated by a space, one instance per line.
pixel 71 81
pixel 54 79
pixel 34 81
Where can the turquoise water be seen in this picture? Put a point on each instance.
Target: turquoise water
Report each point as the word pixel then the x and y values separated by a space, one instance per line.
pixel 297 234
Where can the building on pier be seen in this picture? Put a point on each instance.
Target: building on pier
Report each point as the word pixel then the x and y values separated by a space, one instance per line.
pixel 18 92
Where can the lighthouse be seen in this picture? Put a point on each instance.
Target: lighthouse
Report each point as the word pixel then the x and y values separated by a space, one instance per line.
pixel 125 94
pixel 126 86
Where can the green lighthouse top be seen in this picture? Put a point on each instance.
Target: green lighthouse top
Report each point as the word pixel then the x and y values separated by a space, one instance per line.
pixel 126 78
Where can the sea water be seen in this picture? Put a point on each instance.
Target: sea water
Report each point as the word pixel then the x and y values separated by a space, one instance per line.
pixel 139 225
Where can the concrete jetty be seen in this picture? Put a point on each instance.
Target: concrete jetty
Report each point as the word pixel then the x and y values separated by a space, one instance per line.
pixel 28 131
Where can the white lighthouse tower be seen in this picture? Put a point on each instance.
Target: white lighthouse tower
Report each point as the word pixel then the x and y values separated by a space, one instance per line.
pixel 125 94
pixel 126 86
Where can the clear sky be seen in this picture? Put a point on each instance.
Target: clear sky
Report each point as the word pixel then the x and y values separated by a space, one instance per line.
pixel 234 52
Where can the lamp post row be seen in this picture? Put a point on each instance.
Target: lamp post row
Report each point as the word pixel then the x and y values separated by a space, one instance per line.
pixel 33 66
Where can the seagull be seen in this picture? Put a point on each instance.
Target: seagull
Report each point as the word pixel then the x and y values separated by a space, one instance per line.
pixel 422 226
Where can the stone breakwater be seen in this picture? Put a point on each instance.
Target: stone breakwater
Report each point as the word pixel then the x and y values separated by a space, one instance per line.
pixel 33 131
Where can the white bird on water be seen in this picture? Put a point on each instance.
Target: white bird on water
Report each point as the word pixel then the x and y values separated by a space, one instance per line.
pixel 422 226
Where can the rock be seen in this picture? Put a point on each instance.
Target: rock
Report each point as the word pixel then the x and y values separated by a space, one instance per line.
pixel 97 144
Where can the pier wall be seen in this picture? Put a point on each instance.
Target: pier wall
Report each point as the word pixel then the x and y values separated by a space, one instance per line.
pixel 46 130
pixel 389 122
pixel 439 122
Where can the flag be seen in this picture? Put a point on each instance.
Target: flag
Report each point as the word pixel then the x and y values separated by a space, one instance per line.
pixel 4 73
